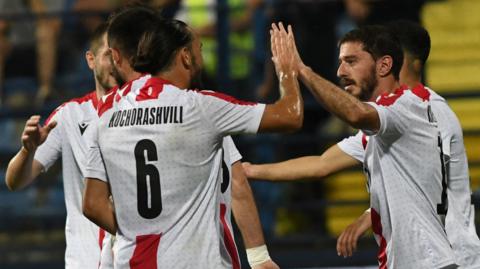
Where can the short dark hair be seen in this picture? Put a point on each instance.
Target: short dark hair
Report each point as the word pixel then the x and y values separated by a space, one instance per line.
pixel 413 38
pixel 96 39
pixel 158 46
pixel 378 41
pixel 126 27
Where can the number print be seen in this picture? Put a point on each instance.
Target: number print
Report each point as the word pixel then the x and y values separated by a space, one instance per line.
pixel 148 180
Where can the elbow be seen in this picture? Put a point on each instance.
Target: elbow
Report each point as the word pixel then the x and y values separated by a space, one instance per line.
pixel 357 119
pixel 11 183
pixel 88 208
pixel 295 121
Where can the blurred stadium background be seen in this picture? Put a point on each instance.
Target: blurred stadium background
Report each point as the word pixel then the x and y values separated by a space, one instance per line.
pixel 301 220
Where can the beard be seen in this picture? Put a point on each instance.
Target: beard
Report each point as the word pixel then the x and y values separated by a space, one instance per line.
pixel 119 79
pixel 196 81
pixel 117 76
pixel 367 86
pixel 103 79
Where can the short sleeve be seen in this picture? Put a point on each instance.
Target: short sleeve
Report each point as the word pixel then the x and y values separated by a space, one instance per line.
pixel 231 149
pixel 51 149
pixel 229 115
pixel 392 120
pixel 95 166
pixel 354 146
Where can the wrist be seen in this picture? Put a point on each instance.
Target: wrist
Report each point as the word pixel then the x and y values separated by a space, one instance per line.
pixel 257 255
pixel 26 151
pixel 303 71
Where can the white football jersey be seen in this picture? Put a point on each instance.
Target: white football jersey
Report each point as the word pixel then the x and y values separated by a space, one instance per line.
pixel 161 148
pixel 230 252
pixel 407 181
pixel 460 219
pixel 83 238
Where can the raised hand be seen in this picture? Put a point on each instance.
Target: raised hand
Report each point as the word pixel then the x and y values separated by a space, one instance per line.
pixel 33 134
pixel 282 48
pixel 296 55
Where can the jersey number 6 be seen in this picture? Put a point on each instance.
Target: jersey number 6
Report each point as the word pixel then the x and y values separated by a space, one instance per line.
pixel 149 197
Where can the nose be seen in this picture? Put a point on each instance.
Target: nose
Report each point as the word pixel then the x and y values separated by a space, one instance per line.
pixel 341 72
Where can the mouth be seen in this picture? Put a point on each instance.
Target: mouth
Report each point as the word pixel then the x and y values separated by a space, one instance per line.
pixel 347 84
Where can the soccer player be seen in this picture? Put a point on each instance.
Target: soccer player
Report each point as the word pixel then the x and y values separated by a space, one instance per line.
pixel 460 219
pixel 62 136
pixel 397 144
pixel 165 176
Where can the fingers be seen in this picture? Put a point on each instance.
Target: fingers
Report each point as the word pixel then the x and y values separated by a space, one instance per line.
pixel 50 126
pixel 347 242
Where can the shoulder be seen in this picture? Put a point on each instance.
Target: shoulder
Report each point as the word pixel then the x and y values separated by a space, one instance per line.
pixel 89 97
pixel 417 94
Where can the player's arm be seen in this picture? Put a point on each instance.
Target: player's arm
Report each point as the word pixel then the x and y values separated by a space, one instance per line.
pixel 308 167
pixel 246 216
pixel 287 113
pixel 97 206
pixel 347 241
pixel 23 168
pixel 345 106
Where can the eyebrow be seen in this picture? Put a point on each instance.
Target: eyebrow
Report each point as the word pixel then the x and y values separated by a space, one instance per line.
pixel 348 57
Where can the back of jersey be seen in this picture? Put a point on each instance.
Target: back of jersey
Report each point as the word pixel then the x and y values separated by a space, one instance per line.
pixel 162 152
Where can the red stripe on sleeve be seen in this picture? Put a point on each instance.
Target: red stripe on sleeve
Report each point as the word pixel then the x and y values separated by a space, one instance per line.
pixel 377 229
pixel 228 239
pixel 145 253
pixel 227 98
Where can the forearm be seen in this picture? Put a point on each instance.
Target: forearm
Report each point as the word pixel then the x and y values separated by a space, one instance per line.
pixel 308 167
pixel 97 206
pixel 336 100
pixel 19 170
pixel 246 214
pixel 287 113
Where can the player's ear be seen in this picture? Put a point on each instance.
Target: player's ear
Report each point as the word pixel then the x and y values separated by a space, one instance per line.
pixel 186 58
pixel 115 54
pixel 90 57
pixel 384 66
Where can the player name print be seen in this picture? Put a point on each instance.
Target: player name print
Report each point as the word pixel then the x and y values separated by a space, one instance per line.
pixel 147 116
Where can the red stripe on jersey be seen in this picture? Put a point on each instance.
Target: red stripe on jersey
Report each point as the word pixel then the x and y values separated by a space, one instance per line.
pixel 152 88
pixel 377 229
pixel 101 236
pixel 387 99
pixel 364 141
pixel 228 238
pixel 227 98
pixel 145 253
pixel 107 102
pixel 89 96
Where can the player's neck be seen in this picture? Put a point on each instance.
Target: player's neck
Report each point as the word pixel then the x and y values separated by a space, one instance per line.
pixel 178 77
pixel 388 84
pixel 411 81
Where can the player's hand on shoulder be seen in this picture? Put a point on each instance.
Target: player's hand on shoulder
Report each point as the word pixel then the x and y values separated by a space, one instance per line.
pixel 267 265
pixel 33 134
pixel 347 241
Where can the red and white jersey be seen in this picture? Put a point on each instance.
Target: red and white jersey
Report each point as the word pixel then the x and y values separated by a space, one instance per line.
pixel 229 252
pixel 407 182
pixel 161 148
pixel 66 140
pixel 460 219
